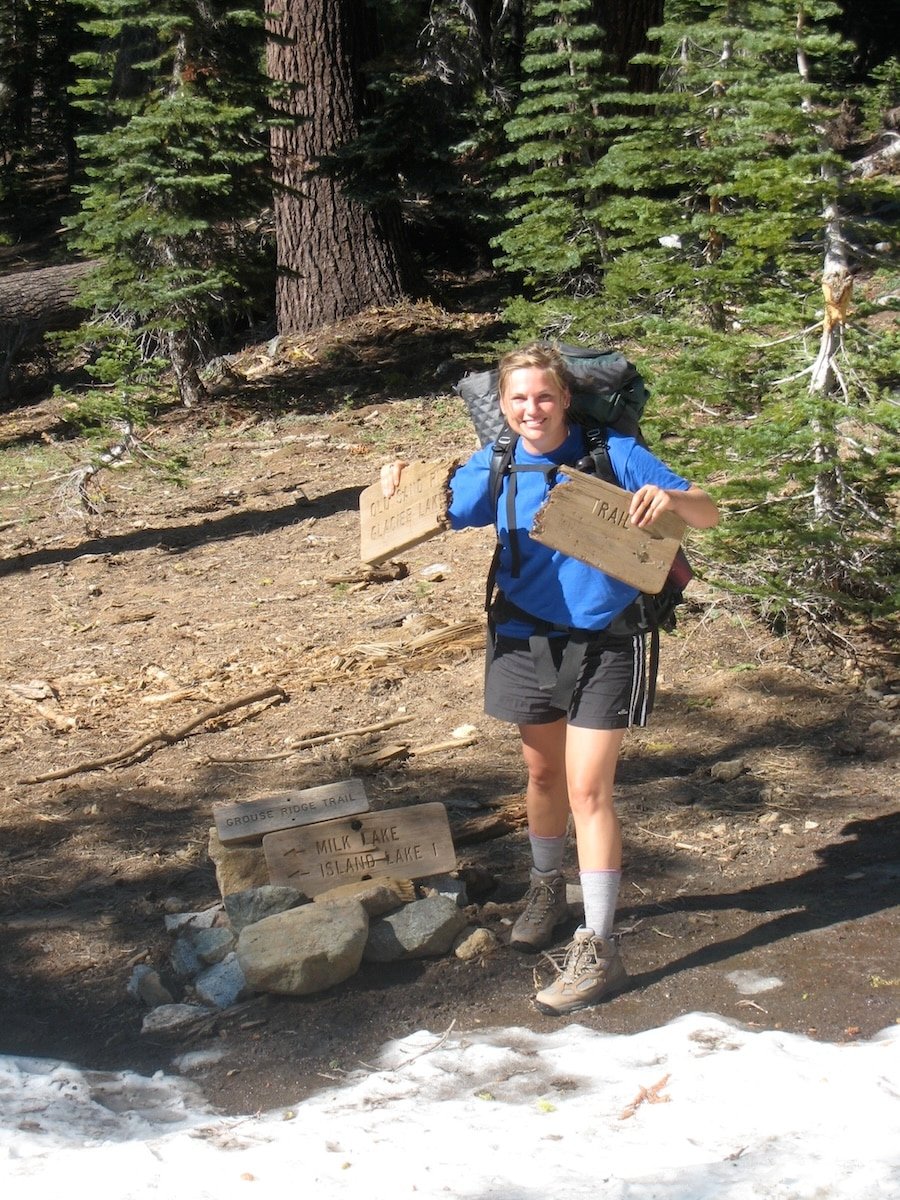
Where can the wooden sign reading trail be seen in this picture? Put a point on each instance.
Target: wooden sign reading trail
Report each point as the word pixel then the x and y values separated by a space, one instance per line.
pixel 249 820
pixel 407 843
pixel 416 512
pixel 587 519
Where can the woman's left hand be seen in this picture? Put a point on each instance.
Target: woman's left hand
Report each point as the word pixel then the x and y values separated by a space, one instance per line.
pixel 694 506
pixel 648 504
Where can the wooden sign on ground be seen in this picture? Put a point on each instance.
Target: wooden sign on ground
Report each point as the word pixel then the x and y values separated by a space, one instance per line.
pixel 587 519
pixel 416 512
pixel 249 820
pixel 407 843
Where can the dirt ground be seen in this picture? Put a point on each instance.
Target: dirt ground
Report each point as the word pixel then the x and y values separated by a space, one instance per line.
pixel 227 562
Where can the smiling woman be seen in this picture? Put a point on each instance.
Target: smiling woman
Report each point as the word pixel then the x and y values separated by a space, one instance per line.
pixel 534 402
pixel 564 662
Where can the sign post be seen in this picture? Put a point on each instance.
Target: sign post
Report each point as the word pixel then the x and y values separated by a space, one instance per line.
pixel 587 519
pixel 416 512
pixel 250 820
pixel 406 843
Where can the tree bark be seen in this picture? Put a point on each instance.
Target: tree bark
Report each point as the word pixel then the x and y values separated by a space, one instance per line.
pixel 33 302
pixel 625 23
pixel 42 299
pixel 335 257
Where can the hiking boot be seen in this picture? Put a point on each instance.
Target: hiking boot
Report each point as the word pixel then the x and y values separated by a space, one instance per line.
pixel 592 970
pixel 545 908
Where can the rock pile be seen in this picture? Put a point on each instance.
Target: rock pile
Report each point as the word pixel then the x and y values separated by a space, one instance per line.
pixel 268 938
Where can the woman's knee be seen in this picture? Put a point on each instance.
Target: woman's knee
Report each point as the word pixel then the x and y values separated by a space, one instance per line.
pixel 545 774
pixel 586 802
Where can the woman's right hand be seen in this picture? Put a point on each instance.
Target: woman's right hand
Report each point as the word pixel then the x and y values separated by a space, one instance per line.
pixel 390 477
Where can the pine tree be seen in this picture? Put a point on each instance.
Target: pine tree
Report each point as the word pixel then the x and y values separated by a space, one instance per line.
pixel 720 206
pixel 550 238
pixel 736 206
pixel 176 94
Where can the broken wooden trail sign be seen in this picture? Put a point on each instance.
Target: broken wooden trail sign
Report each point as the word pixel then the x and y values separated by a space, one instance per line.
pixel 416 512
pixel 408 843
pixel 587 519
pixel 249 820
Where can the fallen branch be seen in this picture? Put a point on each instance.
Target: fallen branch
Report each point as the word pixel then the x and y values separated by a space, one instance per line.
pixel 493 825
pixel 428 1049
pixel 438 747
pixel 164 737
pixel 668 837
pixel 305 743
pixel 650 1095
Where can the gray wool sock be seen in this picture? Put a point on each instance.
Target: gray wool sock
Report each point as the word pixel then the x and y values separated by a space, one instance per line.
pixel 547 853
pixel 600 890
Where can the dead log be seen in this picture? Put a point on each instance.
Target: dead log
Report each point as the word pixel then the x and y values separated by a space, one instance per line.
pixel 33 303
pixel 494 825
pixel 43 299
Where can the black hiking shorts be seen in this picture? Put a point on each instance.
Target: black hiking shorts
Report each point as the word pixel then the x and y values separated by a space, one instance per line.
pixel 610 691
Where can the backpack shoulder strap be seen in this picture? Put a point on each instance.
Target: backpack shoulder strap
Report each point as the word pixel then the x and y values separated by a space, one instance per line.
pixel 501 456
pixel 503 464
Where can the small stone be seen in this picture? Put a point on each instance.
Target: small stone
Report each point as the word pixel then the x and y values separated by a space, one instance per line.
pixel 881 729
pixel 727 772
pixel 435 572
pixel 377 896
pixel 146 986
pixel 238 867
pixel 427 928
pixel 184 958
pixel 255 904
pixel 473 945
pixel 170 1018
pixel 223 984
pixel 212 945
pixel 445 885
pixel 180 921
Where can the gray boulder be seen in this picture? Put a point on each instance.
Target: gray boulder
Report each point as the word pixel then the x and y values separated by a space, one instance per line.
pixel 304 950
pixel 223 984
pixel 424 929
pixel 256 903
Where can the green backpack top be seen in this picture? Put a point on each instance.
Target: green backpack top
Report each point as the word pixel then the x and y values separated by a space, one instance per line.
pixel 607 390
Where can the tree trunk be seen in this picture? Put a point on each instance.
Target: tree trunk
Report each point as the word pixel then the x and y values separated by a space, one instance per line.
pixel 625 23
pixel 335 257
pixel 837 288
pixel 33 301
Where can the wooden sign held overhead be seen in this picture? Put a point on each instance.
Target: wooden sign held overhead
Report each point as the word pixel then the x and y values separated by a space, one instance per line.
pixel 407 843
pixel 416 512
pixel 249 820
pixel 587 519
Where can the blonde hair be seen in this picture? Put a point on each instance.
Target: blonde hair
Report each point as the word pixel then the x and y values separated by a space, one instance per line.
pixel 540 355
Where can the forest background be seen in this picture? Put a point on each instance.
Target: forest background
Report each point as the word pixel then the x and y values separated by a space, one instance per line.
pixel 710 187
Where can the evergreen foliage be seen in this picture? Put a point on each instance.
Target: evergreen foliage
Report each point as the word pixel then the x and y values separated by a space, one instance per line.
pixel 555 140
pixel 691 225
pixel 175 178
pixel 708 240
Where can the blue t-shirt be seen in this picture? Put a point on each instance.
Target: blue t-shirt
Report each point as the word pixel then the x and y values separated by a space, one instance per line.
pixel 550 584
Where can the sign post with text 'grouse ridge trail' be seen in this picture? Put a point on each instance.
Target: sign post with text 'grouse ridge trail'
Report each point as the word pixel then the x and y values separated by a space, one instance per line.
pixel 250 820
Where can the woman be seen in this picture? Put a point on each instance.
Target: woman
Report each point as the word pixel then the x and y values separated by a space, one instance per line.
pixel 570 744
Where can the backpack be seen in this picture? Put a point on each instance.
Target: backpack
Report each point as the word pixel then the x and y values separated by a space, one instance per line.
pixel 606 388
pixel 608 392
